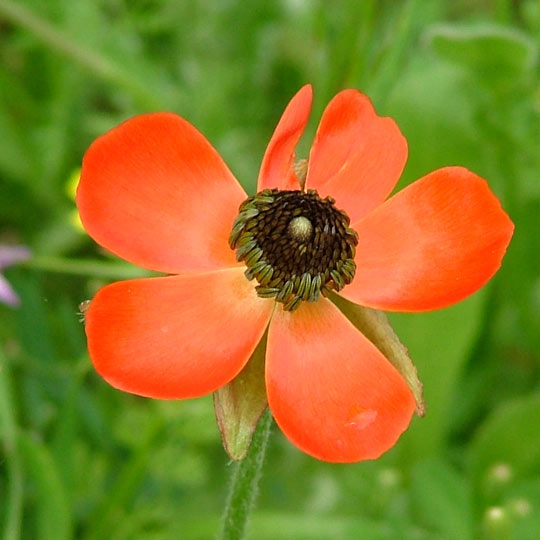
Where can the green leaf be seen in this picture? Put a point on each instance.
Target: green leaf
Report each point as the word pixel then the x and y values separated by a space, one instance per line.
pixel 114 506
pixel 440 343
pixel 438 116
pixel 54 520
pixel 14 151
pixel 441 499
pixel 12 498
pixel 376 327
pixel 510 436
pixel 491 52
pixel 522 505
pixel 240 403
pixel 301 525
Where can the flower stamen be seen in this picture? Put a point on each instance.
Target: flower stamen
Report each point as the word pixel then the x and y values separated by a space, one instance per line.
pixel 297 245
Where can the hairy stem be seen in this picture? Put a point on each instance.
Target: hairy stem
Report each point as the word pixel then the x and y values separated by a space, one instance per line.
pixel 244 484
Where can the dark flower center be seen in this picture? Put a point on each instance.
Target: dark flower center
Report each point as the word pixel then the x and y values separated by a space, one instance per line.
pixel 295 244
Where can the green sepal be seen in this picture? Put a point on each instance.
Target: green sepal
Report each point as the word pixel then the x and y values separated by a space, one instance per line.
pixel 374 324
pixel 240 404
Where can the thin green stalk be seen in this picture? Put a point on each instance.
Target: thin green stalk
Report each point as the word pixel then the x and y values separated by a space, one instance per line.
pixel 346 51
pixel 92 268
pixel 392 62
pixel 110 514
pixel 14 496
pixel 244 484
pixel 57 40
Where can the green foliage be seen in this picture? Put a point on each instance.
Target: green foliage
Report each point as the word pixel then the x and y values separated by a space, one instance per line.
pixel 494 54
pixel 506 438
pixel 81 460
pixel 441 498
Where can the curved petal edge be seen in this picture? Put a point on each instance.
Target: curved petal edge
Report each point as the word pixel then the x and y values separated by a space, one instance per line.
pixel 277 164
pixel 155 192
pixel 357 156
pixel 175 337
pixel 431 245
pixel 331 391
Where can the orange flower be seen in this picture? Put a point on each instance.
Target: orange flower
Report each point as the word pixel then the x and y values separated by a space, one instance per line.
pixel 156 193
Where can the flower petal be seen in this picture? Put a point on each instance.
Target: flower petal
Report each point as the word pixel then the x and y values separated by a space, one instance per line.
pixel 331 391
pixel 276 167
pixel 175 337
pixel 357 156
pixel 431 245
pixel 10 255
pixel 7 294
pixel 155 192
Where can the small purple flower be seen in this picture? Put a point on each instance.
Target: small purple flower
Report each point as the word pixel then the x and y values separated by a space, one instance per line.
pixel 10 255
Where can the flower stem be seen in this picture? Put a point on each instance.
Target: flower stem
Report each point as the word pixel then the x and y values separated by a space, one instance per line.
pixel 93 268
pixel 244 484
pixel 13 500
pixel 394 59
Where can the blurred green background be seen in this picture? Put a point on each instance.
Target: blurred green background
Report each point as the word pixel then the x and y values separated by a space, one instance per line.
pixel 81 460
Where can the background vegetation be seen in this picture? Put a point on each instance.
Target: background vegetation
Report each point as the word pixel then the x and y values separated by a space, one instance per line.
pixel 81 460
